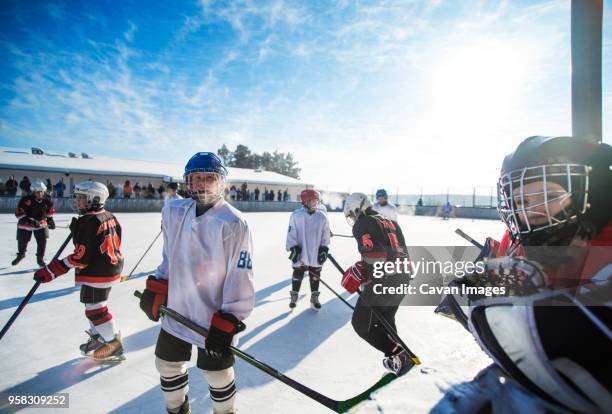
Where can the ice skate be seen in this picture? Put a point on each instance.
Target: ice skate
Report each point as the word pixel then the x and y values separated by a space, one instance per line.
pixel 40 261
pixel 94 342
pixel 314 300
pixel 294 298
pixel 399 363
pixel 18 259
pixel 110 351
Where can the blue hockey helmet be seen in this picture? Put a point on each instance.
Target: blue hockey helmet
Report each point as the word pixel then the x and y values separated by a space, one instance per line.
pixel 381 193
pixel 206 162
pixel 207 192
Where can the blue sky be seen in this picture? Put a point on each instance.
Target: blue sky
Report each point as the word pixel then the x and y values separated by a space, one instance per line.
pixel 395 94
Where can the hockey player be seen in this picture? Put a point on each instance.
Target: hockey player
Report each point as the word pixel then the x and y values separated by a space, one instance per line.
pixel 35 215
pixel 308 245
pixel 378 239
pixel 205 275
pixel 382 205
pixel 97 263
pixel 171 193
pixel 554 196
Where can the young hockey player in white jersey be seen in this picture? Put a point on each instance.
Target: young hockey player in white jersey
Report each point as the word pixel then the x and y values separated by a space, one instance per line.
pixel 205 275
pixel 382 206
pixel 308 244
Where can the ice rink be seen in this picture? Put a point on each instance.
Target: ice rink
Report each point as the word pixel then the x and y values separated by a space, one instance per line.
pixel 39 354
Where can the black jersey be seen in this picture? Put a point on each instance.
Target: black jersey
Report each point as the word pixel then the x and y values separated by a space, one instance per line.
pixel 378 239
pixel 97 257
pixel 33 213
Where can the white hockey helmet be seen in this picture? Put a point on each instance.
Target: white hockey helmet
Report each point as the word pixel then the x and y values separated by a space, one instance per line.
pixel 37 185
pixel 96 194
pixel 354 205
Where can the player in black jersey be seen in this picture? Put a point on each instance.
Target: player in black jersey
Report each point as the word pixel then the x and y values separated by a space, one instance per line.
pixel 35 215
pixel 98 263
pixel 378 240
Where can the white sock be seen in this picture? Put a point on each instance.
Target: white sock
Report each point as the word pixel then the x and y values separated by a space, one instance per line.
pixel 222 390
pixel 174 382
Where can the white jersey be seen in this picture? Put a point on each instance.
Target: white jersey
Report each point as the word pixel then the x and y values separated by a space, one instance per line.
pixel 168 198
pixel 207 262
pixel 388 211
pixel 309 231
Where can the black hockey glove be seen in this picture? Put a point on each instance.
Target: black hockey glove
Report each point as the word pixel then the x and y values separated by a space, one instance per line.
pixel 294 253
pixel 322 256
pixel 50 223
pixel 223 327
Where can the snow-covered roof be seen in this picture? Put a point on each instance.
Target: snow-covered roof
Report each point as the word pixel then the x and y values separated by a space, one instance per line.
pixel 24 159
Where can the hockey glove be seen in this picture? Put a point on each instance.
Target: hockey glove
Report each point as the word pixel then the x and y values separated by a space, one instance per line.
pixel 353 277
pixel 154 295
pixel 322 256
pixel 51 271
pixel 223 327
pixel 294 254
pixel 50 223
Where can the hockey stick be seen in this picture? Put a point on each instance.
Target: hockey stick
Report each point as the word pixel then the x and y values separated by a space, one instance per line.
pixel 390 330
pixel 339 406
pixel 341 235
pixel 31 292
pixel 468 238
pixel 334 292
pixel 126 278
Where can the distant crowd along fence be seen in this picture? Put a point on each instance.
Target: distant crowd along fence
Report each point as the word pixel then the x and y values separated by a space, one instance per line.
pixel 120 205
pixel 126 205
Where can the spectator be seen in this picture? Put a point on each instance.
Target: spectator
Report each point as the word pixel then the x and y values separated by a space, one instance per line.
pixel 171 193
pixel 112 190
pixel 420 202
pixel 11 186
pixel 161 190
pixel 233 192
pixel 150 191
pixel 286 194
pixel 243 190
pixel 256 192
pixel 2 187
pixel 49 186
pixel 127 189
pixel 137 190
pixel 59 188
pixel 279 196
pixel 24 186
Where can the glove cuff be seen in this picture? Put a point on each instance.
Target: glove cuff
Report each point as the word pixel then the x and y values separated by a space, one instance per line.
pixel 157 286
pixel 226 322
pixel 58 267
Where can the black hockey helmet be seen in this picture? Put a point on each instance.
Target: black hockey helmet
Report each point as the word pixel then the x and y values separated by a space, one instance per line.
pixel 572 172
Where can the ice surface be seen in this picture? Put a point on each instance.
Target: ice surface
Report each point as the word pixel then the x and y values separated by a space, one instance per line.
pixel 40 352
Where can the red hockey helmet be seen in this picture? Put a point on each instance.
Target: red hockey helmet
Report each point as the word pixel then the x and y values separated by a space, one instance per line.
pixel 307 195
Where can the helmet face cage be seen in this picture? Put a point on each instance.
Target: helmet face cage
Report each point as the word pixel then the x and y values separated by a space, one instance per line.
pixel 201 191
pixel 564 185
pixel 93 201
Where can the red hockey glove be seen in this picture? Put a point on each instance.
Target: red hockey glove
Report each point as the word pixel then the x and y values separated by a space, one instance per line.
pixel 353 277
pixel 51 271
pixel 223 327
pixel 154 295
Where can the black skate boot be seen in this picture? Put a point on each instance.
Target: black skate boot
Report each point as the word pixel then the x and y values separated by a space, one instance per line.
pixel 18 259
pixel 93 343
pixel 294 298
pixel 183 409
pixel 41 261
pixel 399 363
pixel 314 300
